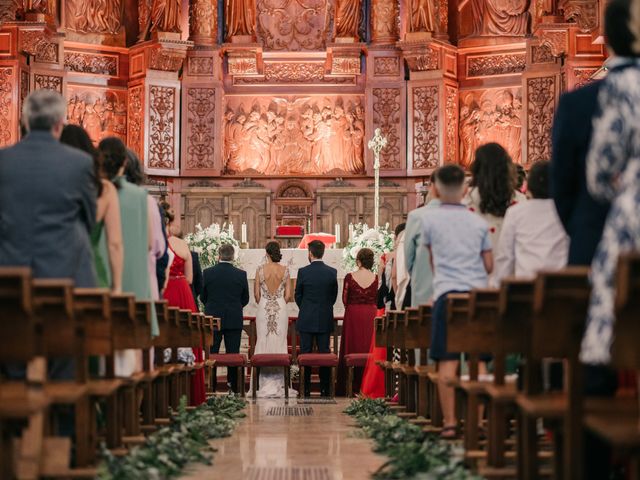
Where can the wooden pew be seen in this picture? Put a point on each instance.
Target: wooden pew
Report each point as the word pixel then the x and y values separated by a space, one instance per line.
pixel 23 409
pixel 618 422
pixel 560 307
pixel 411 327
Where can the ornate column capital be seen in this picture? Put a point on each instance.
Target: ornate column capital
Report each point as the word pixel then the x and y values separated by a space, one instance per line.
pixel 203 22
pixel 344 58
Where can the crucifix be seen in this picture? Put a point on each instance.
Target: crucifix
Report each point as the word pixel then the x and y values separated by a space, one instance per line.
pixel 376 144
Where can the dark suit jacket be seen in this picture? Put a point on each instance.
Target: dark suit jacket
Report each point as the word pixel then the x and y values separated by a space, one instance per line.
pixel 197 284
pixel 316 292
pixel 225 294
pixel 47 209
pixel 583 217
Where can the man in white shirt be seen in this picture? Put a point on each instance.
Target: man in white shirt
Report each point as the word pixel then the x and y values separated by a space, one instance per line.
pixel 532 236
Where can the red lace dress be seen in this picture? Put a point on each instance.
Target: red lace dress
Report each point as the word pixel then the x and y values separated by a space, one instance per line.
pixel 179 294
pixel 357 327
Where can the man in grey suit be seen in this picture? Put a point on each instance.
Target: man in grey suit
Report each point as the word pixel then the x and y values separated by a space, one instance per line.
pixel 47 207
pixel 47 197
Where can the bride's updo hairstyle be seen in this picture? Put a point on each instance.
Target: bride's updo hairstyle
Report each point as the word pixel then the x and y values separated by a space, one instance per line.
pixel 273 250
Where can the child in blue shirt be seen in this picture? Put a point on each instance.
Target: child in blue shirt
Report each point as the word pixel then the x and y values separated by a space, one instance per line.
pixel 461 255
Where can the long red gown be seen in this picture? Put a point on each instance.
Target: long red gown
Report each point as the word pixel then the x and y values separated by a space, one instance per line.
pixel 357 326
pixel 179 294
pixel 373 378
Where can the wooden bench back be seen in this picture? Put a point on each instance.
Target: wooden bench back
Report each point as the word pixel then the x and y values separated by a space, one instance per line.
pixel 412 328
pixel 457 321
pixel 61 329
pixel 93 306
pixel 424 312
pixel 123 318
pixel 515 316
pixel 16 316
pixel 380 335
pixel 624 350
pixel 398 328
pixel 482 321
pixel 143 324
pixel 561 301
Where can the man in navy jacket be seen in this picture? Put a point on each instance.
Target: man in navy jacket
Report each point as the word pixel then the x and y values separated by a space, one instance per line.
pixel 316 293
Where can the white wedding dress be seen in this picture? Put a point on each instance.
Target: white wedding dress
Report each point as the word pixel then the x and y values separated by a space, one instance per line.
pixel 272 325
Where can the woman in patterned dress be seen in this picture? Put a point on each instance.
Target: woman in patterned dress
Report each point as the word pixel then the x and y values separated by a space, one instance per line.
pixel 613 173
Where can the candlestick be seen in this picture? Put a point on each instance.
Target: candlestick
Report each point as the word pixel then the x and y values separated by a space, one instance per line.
pixel 308 225
pixel 376 144
pixel 243 232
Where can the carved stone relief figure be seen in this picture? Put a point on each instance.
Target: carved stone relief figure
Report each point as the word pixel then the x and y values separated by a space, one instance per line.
pixel 348 18
pixel 239 17
pixel 500 17
pixel 294 25
pixel 282 136
pixel 94 16
pixel 102 114
pixel 422 16
pixel 490 116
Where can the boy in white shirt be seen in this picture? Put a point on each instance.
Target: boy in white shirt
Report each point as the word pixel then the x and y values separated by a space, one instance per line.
pixel 532 236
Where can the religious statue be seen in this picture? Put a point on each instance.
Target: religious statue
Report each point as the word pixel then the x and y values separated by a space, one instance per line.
pixel 422 16
pixel 95 16
pixel 348 14
pixel 160 16
pixel 500 17
pixel 239 18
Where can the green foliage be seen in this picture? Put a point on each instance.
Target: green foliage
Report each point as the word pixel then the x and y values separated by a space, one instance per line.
pixel 165 453
pixel 412 454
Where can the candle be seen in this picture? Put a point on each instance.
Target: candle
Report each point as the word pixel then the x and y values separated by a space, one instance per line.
pixel 350 231
pixel 337 231
pixel 231 231
pixel 243 232
pixel 308 225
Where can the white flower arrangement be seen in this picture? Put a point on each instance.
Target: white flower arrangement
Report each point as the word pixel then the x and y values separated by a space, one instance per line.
pixel 380 241
pixel 207 241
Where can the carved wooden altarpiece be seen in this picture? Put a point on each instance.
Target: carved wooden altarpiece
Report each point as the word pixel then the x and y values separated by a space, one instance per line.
pixel 229 103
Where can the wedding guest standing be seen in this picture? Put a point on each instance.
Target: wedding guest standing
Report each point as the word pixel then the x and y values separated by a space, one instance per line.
pixel 47 197
pixel 493 187
pixel 135 235
pixel 108 271
pixel 178 294
pixel 47 205
pixel 157 243
pixel 532 237
pixel 316 293
pixel 225 294
pixel 359 295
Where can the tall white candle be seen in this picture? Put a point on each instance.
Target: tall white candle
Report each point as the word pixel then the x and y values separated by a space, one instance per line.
pixel 350 231
pixel 231 231
pixel 243 232
pixel 337 232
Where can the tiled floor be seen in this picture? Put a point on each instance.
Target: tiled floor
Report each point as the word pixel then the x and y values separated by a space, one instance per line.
pixel 314 442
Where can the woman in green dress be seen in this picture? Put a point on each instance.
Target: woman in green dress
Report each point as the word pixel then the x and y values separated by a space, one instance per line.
pixel 109 256
pixel 135 235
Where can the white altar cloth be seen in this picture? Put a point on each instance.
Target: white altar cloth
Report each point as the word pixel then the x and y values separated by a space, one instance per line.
pixel 250 259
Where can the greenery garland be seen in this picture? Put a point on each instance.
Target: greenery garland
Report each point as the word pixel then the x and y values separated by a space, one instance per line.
pixel 412 453
pixel 186 440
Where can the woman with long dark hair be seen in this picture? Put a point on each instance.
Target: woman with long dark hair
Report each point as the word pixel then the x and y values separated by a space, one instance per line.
pixel 107 215
pixel 493 187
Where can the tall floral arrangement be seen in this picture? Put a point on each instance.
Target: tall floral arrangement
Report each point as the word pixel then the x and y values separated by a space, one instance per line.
pixel 379 240
pixel 207 241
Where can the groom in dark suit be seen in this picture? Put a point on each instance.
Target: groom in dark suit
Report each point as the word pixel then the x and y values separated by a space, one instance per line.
pixel 316 292
pixel 225 294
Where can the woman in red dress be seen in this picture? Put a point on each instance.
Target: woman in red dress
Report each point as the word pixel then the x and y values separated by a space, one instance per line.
pixel 359 295
pixel 179 294
pixel 373 377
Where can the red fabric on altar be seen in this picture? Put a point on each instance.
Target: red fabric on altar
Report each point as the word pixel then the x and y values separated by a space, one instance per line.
pixel 325 238
pixel 289 231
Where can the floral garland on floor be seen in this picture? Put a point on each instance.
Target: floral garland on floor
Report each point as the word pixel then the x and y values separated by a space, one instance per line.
pixel 186 440
pixel 412 453
pixel 207 241
pixel 380 241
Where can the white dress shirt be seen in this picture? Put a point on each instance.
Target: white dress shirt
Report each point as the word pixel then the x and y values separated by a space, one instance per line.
pixel 532 239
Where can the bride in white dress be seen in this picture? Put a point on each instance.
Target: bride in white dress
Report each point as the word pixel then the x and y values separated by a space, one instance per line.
pixel 272 291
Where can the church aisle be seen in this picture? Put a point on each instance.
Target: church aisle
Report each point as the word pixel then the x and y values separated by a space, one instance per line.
pixel 317 446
